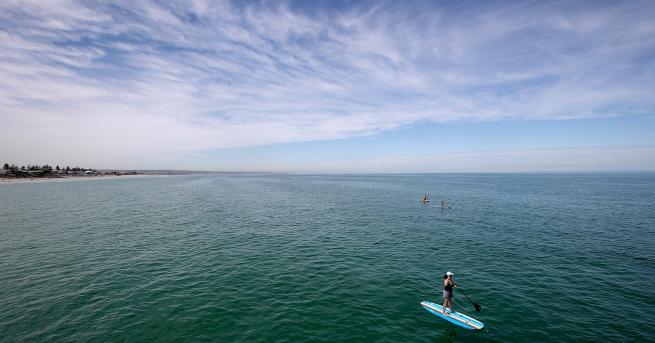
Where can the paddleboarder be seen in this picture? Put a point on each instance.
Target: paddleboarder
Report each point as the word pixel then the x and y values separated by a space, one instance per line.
pixel 448 285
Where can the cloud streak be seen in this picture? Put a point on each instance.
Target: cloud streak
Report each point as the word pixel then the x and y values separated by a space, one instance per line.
pixel 136 79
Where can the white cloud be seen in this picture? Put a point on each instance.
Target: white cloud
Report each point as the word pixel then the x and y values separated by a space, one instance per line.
pixel 135 79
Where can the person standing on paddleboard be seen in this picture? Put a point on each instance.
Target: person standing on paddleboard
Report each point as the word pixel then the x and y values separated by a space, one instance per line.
pixel 448 285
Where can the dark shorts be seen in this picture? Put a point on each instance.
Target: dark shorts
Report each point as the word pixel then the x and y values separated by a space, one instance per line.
pixel 447 295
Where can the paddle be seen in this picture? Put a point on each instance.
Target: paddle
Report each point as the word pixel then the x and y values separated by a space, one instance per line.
pixel 477 306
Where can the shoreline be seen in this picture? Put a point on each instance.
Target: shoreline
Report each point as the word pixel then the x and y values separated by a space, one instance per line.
pixel 8 181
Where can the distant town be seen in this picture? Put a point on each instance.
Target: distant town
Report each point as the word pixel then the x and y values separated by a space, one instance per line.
pixel 13 171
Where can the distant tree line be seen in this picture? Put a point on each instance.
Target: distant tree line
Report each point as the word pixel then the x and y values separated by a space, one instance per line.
pixel 43 170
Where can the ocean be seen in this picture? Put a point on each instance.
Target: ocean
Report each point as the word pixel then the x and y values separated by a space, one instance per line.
pixel 328 258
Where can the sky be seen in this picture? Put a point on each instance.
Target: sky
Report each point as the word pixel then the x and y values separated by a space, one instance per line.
pixel 329 86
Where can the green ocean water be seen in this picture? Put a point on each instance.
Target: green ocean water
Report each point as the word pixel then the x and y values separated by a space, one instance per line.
pixel 292 258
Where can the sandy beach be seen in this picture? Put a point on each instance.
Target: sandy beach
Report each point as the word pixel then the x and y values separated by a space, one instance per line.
pixel 7 181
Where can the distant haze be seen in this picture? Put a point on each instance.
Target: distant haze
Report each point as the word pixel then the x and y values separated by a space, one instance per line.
pixel 329 86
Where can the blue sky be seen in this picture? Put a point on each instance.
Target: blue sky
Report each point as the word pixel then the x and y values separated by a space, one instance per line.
pixel 326 86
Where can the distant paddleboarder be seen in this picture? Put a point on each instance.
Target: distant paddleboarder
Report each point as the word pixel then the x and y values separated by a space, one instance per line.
pixel 448 285
pixel 443 204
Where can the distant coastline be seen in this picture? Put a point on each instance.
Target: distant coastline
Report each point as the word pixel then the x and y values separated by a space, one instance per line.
pixel 10 180
pixel 34 173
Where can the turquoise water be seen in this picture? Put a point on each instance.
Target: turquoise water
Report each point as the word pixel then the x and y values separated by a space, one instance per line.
pixel 260 258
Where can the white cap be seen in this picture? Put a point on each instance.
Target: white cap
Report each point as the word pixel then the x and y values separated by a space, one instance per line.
pixel 450 274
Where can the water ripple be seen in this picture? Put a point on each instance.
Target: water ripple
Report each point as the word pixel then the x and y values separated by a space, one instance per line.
pixel 327 258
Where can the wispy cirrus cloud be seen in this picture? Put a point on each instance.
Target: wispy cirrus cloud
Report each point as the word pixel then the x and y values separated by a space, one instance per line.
pixel 134 79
